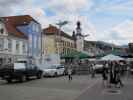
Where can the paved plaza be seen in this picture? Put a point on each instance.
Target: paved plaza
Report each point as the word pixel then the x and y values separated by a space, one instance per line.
pixel 82 87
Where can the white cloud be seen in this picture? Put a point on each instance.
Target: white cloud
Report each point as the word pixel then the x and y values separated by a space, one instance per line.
pixel 119 34
pixel 72 15
pixel 123 7
pixel 70 10
pixel 125 29
pixel 7 7
pixel 68 6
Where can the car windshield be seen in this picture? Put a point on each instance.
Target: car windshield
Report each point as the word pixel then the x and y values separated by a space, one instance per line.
pixel 51 67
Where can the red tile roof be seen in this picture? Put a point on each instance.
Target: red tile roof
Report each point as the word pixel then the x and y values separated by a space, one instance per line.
pixel 12 22
pixel 51 30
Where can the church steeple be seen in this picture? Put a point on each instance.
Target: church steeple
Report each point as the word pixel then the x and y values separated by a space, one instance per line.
pixel 74 35
pixel 79 37
pixel 78 29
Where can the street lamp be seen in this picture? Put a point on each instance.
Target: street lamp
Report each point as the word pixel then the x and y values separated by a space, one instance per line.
pixel 60 25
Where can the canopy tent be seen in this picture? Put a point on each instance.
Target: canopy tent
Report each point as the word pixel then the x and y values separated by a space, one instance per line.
pixel 120 53
pixel 111 57
pixel 75 54
pixel 81 55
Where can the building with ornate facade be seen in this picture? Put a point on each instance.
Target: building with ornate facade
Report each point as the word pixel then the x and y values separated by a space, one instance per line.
pixel 21 38
pixel 55 43
pixel 13 44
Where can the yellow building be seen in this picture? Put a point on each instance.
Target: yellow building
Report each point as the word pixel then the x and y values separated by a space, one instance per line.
pixel 57 42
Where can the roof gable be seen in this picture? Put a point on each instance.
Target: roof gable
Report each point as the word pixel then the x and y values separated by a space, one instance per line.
pixel 12 22
pixel 51 30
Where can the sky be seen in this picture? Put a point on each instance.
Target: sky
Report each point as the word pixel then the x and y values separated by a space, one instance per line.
pixel 104 20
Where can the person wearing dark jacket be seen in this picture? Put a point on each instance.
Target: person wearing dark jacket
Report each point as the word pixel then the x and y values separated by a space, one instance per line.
pixel 105 76
pixel 118 75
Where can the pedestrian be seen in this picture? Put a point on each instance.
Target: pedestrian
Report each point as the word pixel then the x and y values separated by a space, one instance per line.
pixel 105 75
pixel 70 72
pixel 111 73
pixel 118 80
pixel 92 70
pixel 128 70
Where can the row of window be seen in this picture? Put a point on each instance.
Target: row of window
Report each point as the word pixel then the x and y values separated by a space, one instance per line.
pixel 68 44
pixel 10 46
pixel 66 51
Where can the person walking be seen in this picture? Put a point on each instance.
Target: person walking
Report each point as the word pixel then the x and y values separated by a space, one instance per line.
pixel 127 70
pixel 70 72
pixel 111 73
pixel 118 76
pixel 105 74
pixel 93 71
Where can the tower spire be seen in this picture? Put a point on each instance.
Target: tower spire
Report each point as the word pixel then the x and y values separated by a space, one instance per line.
pixel 78 29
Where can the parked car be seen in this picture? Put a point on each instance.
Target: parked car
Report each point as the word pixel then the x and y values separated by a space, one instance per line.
pixel 19 71
pixel 54 70
pixel 131 70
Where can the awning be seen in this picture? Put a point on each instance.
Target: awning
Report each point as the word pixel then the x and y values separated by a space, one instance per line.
pixel 111 57
pixel 75 54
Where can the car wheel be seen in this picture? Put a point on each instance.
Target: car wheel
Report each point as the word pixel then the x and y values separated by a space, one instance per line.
pixel 9 81
pixel 22 78
pixel 55 74
pixel 27 78
pixel 39 75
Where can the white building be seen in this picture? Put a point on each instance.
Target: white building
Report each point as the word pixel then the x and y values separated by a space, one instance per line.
pixel 13 44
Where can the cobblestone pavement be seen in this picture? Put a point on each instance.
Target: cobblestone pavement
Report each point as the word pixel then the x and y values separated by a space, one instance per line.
pixel 98 92
pixel 80 88
pixel 47 88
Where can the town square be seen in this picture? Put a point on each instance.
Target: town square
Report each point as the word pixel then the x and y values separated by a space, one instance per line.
pixel 66 50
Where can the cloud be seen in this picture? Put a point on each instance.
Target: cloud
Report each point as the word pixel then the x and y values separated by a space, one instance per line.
pixel 120 34
pixel 68 6
pixel 65 10
pixel 8 7
pixel 117 7
pixel 72 10
pixel 125 29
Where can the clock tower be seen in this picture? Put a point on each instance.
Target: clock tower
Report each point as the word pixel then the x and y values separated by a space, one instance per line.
pixel 79 37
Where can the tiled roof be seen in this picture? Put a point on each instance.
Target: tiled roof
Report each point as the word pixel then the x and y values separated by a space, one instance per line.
pixel 12 22
pixel 51 30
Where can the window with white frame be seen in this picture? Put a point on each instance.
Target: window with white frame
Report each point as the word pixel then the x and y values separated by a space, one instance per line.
pixel 1 31
pixel 9 45
pixel 17 46
pixel 34 27
pixel 37 28
pixel 1 43
pixel 35 41
pixel 24 47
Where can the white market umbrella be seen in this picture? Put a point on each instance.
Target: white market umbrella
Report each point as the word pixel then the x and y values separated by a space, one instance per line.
pixel 111 57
